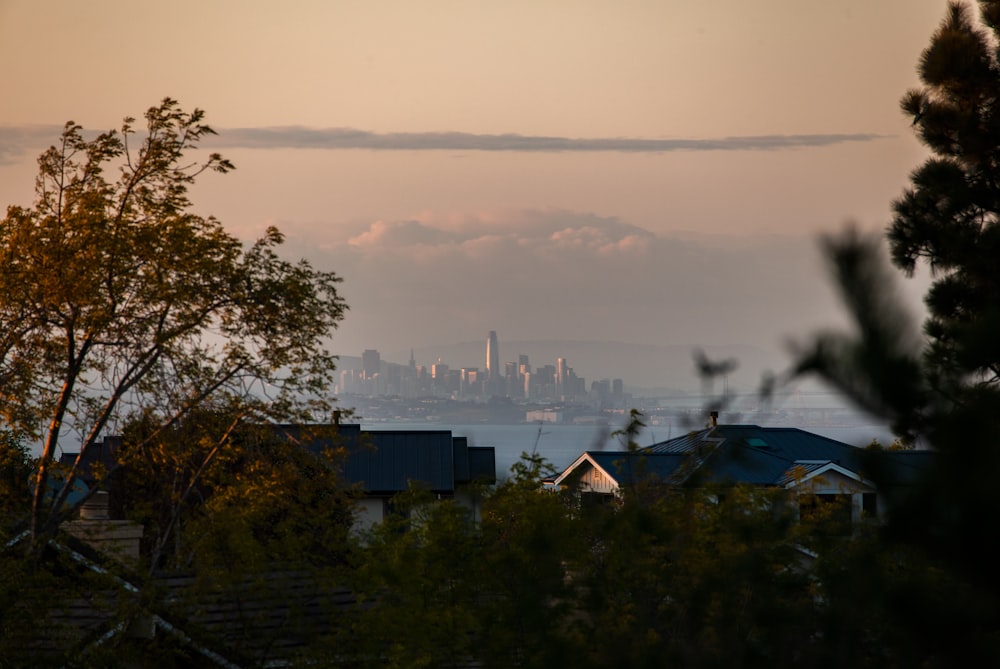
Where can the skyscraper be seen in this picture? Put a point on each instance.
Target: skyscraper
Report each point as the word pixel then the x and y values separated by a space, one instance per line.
pixel 371 363
pixel 492 357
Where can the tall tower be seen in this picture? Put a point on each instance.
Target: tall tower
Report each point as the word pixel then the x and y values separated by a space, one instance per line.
pixel 561 369
pixel 492 357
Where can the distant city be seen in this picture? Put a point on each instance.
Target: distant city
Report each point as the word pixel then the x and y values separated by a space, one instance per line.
pixel 516 380
pixel 515 392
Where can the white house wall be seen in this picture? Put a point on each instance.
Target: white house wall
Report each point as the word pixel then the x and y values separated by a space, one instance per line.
pixel 595 480
pixel 835 483
pixel 367 512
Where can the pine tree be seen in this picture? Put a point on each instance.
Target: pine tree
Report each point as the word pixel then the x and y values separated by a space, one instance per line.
pixel 949 215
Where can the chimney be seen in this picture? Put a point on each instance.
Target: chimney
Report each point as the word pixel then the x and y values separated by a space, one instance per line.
pixel 95 508
pixel 714 417
pixel 119 539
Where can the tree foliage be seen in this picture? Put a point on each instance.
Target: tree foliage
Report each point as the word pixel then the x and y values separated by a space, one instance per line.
pixel 947 399
pixel 694 577
pixel 15 470
pixel 948 216
pixel 932 560
pixel 117 300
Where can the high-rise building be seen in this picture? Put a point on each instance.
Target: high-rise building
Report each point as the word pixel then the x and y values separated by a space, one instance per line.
pixel 492 357
pixel 561 369
pixel 617 389
pixel 470 381
pixel 371 363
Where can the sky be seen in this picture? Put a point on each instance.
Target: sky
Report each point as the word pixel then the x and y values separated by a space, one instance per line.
pixel 644 172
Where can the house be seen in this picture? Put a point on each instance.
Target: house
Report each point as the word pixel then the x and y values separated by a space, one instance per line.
pixel 384 463
pixel 817 468
pixel 265 619
pixel 379 464
pixel 105 615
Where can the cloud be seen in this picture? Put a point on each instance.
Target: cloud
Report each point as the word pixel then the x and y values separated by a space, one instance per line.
pixel 569 275
pixel 539 236
pixel 299 137
pixel 382 234
pixel 15 140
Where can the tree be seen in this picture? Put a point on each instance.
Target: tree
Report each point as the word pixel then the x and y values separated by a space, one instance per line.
pixel 439 588
pixel 15 470
pixel 117 300
pixel 932 561
pixel 950 214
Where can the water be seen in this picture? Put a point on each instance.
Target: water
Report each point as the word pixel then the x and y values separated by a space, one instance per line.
pixel 562 444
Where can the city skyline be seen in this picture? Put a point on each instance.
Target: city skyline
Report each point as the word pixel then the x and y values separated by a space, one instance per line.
pixel 375 376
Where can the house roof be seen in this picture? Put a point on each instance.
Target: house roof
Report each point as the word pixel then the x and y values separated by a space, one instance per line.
pixel 264 619
pixel 761 455
pixel 387 461
pixel 623 466
pixel 766 456
pixel 396 458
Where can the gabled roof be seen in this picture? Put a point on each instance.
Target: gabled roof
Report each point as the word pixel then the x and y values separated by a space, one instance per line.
pixel 625 466
pixel 762 455
pixel 765 456
pixel 806 470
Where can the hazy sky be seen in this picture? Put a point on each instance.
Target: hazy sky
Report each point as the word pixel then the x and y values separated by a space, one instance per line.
pixel 651 172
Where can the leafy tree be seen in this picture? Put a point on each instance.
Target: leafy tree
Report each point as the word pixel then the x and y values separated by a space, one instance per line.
pixel 15 470
pixel 170 474
pixel 440 589
pixel 532 540
pixel 212 480
pixel 418 575
pixel 116 300
pixel 267 537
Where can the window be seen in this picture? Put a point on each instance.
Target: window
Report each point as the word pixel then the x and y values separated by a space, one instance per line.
pixel 869 505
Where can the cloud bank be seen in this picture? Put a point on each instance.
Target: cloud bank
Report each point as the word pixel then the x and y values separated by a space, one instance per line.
pixel 558 274
pixel 16 140
pixel 351 138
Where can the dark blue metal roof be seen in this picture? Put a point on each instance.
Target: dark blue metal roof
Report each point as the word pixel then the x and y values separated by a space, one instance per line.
pixel 758 455
pixel 396 458
pixel 460 449
pixel 765 456
pixel 625 466
pixel 685 443
pixel 482 464
pixel 388 461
